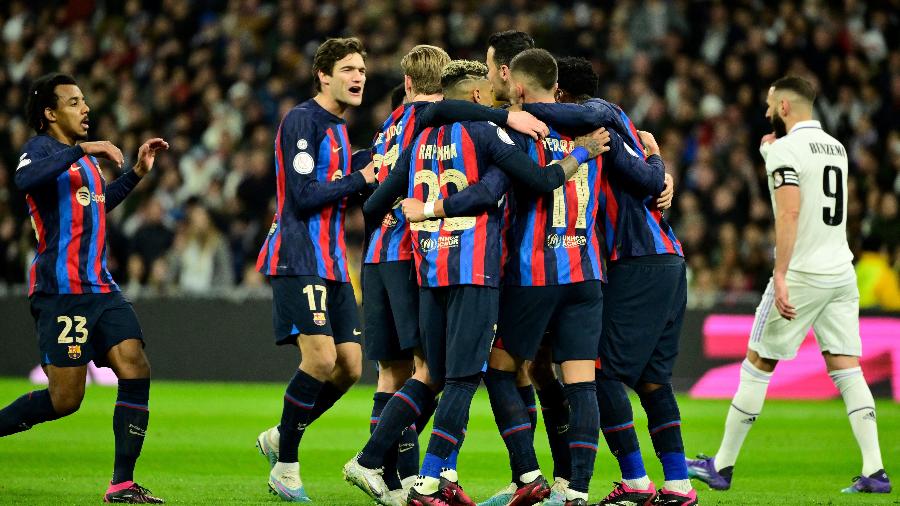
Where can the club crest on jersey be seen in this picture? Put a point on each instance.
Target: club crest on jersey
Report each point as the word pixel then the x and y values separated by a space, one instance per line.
pixel 74 351
pixel 389 221
pixel 302 144
pixel 319 318
pixel 303 163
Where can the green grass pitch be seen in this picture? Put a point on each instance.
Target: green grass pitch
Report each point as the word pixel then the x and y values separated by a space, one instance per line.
pixel 200 449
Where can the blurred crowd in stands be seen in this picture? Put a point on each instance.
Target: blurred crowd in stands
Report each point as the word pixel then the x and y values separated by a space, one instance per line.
pixel 214 77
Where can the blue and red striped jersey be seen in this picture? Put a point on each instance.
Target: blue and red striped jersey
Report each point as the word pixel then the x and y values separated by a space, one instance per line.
pixel 630 223
pixel 390 242
pixel 553 239
pixel 463 250
pixel 313 180
pixel 68 199
pixel 633 226
pixel 462 162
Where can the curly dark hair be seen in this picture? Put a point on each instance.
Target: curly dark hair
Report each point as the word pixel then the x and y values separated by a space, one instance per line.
pixel 42 95
pixel 577 77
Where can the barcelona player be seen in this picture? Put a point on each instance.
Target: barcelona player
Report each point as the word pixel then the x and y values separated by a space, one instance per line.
pixel 80 314
pixel 639 342
pixel 552 283
pixel 390 292
pixel 458 258
pixel 304 256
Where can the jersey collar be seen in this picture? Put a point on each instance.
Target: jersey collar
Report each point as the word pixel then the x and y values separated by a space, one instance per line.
pixel 806 124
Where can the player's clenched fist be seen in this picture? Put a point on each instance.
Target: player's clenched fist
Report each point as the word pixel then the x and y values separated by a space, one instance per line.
pixel 413 209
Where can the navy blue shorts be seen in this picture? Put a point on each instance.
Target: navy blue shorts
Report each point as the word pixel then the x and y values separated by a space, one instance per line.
pixel 644 303
pixel 390 310
pixel 458 324
pixel 72 330
pixel 311 306
pixel 568 318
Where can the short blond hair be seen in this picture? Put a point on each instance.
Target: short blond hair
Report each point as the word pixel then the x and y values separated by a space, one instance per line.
pixel 423 65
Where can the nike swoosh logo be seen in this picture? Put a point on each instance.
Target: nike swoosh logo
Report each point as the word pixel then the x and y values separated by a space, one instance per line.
pixel 335 150
pixel 23 161
pixel 356 332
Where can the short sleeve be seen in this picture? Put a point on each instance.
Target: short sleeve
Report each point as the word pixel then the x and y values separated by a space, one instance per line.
pixel 782 166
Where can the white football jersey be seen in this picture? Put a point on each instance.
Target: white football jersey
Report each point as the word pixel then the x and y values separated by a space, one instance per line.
pixel 816 162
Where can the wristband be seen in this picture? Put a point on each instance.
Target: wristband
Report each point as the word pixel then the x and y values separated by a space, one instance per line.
pixel 581 154
pixel 428 211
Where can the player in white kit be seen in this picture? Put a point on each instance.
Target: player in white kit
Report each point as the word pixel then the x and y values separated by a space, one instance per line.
pixel 813 285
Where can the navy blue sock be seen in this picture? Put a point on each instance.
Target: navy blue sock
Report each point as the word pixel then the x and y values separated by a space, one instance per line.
pixel 328 396
pixel 513 422
pixel 130 417
pixel 408 453
pixel 299 400
pixel 26 411
pixel 527 395
pixel 584 429
pixel 617 424
pixel 664 423
pixel 453 459
pixel 555 410
pixel 391 479
pixel 428 407
pixel 449 421
pixel 398 414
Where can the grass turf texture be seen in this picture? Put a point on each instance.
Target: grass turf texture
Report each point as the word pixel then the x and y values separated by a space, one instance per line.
pixel 200 449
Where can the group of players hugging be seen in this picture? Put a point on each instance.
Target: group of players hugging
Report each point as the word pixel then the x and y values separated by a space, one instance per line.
pixel 513 223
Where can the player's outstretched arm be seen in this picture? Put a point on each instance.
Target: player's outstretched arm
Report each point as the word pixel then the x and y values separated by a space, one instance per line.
pixel 395 186
pixel 449 111
pixel 124 184
pixel 472 200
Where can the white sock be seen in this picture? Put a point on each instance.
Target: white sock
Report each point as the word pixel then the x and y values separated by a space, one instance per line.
pixel 680 486
pixel 408 482
pixel 861 411
pixel 449 474
pixel 571 495
pixel 530 476
pixel 745 407
pixel 426 485
pixel 642 483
